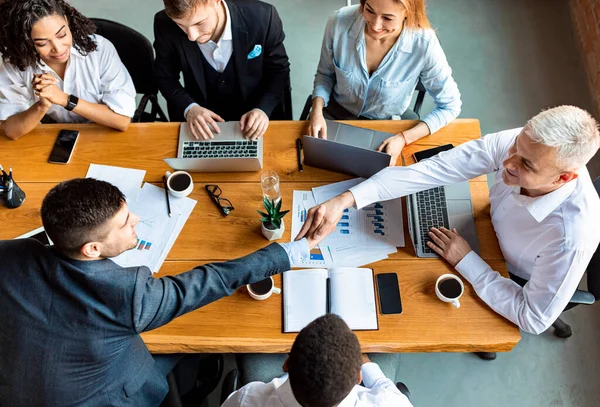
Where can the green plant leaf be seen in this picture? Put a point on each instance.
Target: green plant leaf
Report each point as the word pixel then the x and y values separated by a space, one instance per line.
pixel 278 208
pixel 265 219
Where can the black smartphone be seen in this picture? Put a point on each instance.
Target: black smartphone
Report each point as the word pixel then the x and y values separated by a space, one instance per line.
pixel 63 147
pixel 389 293
pixel 421 155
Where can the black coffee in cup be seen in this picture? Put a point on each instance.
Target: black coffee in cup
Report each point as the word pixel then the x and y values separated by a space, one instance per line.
pixel 180 182
pixel 450 288
pixel 262 287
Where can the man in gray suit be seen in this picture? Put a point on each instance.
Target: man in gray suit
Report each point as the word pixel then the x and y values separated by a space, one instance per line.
pixel 71 318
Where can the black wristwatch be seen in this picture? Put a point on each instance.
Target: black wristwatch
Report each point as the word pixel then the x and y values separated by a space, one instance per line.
pixel 72 101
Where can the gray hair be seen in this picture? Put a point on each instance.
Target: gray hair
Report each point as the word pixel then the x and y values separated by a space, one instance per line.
pixel 571 130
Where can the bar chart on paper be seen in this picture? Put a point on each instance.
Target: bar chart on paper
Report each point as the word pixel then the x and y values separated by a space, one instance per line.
pixel 360 237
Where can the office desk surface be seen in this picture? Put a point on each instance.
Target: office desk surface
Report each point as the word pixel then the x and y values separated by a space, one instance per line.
pixel 238 323
pixel 143 146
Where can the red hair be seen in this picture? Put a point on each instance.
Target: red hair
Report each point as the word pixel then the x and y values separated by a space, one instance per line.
pixel 415 13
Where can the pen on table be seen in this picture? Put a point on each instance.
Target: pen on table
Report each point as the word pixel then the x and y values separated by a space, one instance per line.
pixel 167 195
pixel 4 176
pixel 299 152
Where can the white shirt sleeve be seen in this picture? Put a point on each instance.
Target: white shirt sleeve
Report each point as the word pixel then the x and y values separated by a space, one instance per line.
pixel 535 307
pixel 116 85
pixel 384 390
pixel 15 95
pixel 469 160
pixel 437 79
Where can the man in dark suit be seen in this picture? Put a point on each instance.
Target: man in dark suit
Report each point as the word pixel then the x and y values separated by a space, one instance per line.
pixel 233 61
pixel 71 317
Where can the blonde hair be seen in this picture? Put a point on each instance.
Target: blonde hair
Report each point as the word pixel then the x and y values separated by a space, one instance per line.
pixel 416 17
pixel 569 129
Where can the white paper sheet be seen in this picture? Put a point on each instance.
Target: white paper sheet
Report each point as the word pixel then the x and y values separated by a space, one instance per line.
pixel 156 227
pixel 128 180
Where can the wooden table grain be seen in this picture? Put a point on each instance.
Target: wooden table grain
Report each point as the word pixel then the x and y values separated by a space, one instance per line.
pixel 230 324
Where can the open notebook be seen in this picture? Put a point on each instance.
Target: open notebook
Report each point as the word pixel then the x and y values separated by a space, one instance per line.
pixel 344 291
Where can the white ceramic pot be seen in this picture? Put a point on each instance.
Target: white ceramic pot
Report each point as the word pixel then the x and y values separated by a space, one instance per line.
pixel 272 234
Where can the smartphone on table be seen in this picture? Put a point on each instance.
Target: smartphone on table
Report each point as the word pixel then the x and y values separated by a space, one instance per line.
pixel 423 154
pixel 63 147
pixel 389 293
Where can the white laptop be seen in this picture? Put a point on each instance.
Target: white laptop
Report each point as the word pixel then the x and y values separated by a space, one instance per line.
pixel 228 151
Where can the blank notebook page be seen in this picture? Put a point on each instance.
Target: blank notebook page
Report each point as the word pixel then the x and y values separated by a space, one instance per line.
pixel 353 297
pixel 304 297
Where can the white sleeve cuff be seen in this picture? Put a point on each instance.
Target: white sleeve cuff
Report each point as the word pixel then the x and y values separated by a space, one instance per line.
pixel 120 102
pixel 371 373
pixel 296 251
pixel 472 267
pixel 187 109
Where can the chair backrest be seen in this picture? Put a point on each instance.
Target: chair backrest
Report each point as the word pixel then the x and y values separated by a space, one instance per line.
pixel 134 49
pixel 593 269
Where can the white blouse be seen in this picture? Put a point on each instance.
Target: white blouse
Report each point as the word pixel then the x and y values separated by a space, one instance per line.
pixel 99 77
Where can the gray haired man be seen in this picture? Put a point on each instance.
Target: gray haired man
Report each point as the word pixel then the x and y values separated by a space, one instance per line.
pixel 545 211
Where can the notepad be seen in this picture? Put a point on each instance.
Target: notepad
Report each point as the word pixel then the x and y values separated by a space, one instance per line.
pixel 351 295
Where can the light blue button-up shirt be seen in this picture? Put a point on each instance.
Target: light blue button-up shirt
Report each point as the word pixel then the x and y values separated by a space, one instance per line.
pixel 417 54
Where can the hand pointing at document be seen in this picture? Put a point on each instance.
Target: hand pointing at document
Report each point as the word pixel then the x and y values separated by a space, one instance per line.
pixel 322 219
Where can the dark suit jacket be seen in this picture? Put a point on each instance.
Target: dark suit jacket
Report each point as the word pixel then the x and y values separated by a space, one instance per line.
pixel 69 330
pixel 262 80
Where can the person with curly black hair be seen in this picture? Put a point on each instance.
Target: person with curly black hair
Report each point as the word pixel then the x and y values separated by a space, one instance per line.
pixel 54 67
pixel 324 369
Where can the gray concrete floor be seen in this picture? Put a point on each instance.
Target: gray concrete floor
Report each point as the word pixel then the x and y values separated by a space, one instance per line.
pixel 510 58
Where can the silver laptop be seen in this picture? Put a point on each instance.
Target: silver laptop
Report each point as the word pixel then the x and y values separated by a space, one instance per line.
pixel 448 206
pixel 229 151
pixel 347 149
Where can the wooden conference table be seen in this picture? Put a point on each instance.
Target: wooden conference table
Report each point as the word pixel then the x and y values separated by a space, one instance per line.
pixel 239 323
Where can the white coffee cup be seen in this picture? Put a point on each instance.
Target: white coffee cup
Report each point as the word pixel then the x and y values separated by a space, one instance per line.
pixel 453 300
pixel 263 295
pixel 176 192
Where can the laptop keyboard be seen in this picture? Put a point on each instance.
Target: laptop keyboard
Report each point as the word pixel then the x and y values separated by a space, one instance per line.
pixel 432 211
pixel 220 149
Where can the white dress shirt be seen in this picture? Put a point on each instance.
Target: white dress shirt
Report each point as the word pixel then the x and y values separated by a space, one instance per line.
pixel 548 240
pixel 378 391
pixel 99 77
pixel 218 53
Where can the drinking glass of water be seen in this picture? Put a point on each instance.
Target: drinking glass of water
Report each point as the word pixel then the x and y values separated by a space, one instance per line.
pixel 269 180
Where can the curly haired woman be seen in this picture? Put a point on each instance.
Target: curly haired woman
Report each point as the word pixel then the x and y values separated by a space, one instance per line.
pixel 54 67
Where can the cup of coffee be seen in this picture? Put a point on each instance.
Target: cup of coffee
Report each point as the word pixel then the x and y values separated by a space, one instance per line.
pixel 180 184
pixel 449 288
pixel 261 290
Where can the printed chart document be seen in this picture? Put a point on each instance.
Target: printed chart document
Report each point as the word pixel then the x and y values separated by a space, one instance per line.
pixel 361 236
pixel 156 231
pixel 301 203
pixel 347 292
pixel 128 180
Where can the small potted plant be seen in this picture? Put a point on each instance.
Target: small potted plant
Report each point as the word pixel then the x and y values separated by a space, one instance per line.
pixel 272 225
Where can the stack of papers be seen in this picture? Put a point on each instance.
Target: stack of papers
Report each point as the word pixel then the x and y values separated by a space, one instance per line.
pixel 156 231
pixel 361 236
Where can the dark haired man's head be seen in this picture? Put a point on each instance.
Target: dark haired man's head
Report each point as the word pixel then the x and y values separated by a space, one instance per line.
pixel 324 363
pixel 88 219
pixel 34 30
pixel 200 20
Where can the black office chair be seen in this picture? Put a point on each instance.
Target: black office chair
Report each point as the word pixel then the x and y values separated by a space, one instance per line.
pixel 137 55
pixel 589 297
pixel 231 383
pixel 417 108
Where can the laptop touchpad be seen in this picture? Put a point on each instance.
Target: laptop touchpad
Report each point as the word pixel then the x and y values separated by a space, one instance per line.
pixel 353 136
pixel 460 212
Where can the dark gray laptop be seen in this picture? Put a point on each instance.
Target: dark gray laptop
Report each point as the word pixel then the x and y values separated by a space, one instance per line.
pixel 347 149
pixel 448 206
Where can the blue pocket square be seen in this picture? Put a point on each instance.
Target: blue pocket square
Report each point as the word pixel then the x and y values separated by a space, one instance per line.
pixel 255 52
